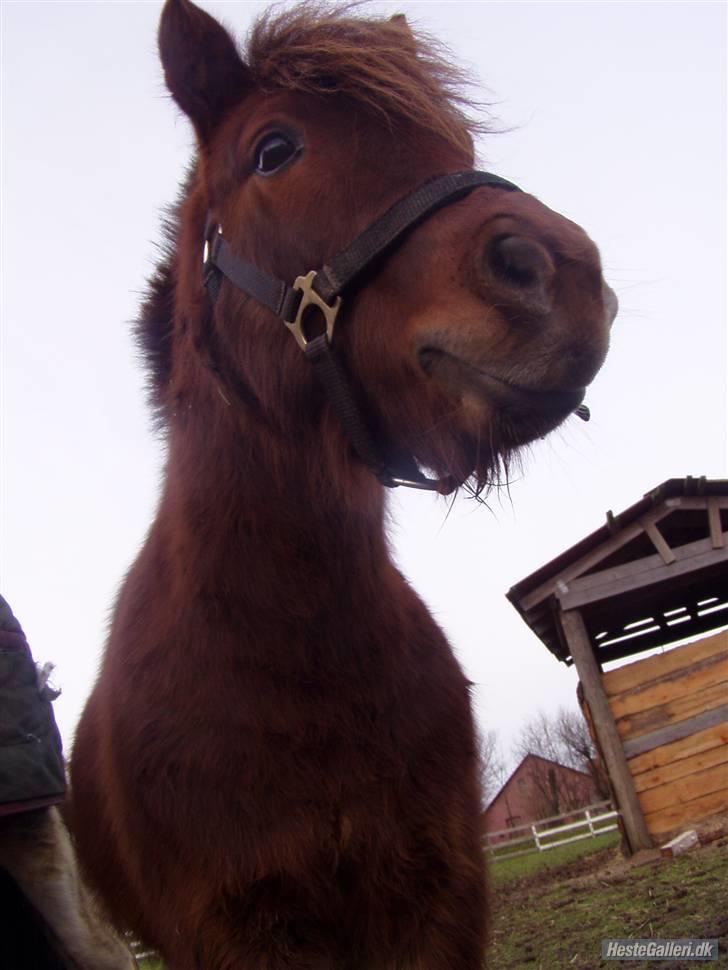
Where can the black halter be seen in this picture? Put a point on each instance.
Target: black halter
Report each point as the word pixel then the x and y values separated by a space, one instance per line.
pixel 323 289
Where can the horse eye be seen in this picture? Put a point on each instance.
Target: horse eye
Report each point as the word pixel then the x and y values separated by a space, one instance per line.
pixel 273 152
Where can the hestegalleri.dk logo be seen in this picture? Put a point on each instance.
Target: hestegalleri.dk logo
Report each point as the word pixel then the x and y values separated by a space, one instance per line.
pixel 659 949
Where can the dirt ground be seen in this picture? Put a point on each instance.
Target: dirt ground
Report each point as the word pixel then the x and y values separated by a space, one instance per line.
pixel 557 918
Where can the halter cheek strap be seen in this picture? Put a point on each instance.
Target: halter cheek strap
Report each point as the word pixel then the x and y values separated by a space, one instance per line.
pixel 323 291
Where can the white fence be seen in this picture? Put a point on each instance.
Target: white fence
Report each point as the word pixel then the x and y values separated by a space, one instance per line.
pixel 591 818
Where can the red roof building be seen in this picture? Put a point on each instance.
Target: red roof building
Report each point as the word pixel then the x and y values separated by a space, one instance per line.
pixel 538 788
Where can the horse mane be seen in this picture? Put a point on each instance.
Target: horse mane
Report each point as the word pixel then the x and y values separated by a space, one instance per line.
pixel 154 328
pixel 153 334
pixel 401 75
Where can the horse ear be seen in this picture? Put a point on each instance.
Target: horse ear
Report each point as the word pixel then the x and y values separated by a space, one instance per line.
pixel 203 70
pixel 400 21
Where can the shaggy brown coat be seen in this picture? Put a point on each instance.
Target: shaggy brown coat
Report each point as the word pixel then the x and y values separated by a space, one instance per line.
pixel 278 766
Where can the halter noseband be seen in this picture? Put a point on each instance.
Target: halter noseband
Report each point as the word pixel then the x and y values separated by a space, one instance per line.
pixel 323 289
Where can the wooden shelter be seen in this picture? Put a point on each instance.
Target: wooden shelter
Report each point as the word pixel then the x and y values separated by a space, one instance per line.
pixel 655 574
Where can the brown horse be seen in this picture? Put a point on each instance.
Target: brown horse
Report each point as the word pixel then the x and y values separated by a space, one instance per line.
pixel 278 766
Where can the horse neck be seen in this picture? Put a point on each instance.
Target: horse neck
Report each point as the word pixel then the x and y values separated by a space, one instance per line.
pixel 253 508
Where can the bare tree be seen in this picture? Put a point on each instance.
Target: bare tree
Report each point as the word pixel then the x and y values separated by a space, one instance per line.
pixel 562 738
pixel 540 736
pixel 494 770
pixel 574 733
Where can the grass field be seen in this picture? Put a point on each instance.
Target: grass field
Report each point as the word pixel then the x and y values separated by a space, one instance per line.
pixel 550 910
pixel 557 917
pixel 506 870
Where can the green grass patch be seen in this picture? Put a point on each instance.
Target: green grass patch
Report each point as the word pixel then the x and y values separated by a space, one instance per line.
pixel 506 870
pixel 558 918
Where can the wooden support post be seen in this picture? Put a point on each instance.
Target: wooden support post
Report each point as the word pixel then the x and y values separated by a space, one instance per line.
pixel 610 742
pixel 658 541
pixel 716 531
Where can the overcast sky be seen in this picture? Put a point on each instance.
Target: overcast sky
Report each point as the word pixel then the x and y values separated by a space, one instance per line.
pixel 615 116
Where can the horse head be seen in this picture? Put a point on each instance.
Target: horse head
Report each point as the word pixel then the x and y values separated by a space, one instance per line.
pixel 478 332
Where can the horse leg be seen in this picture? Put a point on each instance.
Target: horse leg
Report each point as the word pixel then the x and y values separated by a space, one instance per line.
pixel 36 850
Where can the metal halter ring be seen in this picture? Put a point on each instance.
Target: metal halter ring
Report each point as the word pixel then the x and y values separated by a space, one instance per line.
pixel 309 297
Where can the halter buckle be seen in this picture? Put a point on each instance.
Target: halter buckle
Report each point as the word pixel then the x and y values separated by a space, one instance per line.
pixel 309 297
pixel 213 233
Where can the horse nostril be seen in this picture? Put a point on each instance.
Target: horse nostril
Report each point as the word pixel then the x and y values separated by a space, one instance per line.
pixel 524 266
pixel 519 261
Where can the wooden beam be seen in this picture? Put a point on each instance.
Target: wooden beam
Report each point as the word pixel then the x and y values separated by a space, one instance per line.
pixel 673 685
pixel 572 624
pixel 681 750
pixel 716 535
pixel 650 670
pixel 683 768
pixel 609 546
pixel 682 790
pixel 592 558
pixel 697 502
pixel 686 813
pixel 664 636
pixel 676 731
pixel 580 592
pixel 659 542
pixel 681 708
pixel 639 567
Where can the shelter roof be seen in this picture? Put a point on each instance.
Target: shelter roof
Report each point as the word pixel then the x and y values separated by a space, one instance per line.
pixel 653 574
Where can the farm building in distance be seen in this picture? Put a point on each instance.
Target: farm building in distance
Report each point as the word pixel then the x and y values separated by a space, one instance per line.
pixel 536 789
pixel 651 576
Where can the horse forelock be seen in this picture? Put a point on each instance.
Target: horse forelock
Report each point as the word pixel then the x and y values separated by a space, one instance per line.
pixel 385 66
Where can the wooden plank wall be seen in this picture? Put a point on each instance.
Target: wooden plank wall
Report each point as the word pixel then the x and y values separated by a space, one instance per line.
pixel 671 711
